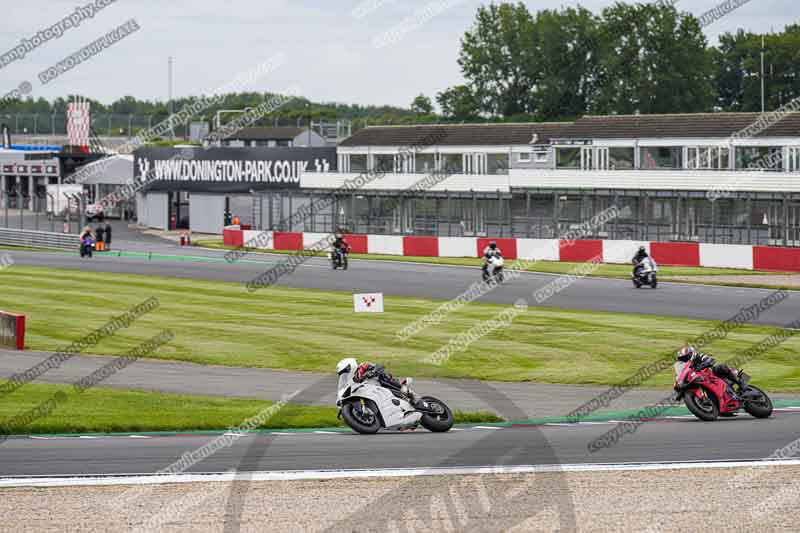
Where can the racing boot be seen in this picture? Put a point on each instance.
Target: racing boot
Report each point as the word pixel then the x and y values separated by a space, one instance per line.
pixel 406 390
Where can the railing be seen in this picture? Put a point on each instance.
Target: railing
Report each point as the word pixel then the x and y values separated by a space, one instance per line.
pixel 39 239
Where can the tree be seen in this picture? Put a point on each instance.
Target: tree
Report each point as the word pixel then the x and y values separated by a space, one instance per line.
pixel 422 105
pixel 458 103
pixel 653 60
pixel 737 69
pixel 568 47
pixel 499 61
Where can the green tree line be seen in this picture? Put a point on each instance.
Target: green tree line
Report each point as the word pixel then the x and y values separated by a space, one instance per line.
pixel 547 65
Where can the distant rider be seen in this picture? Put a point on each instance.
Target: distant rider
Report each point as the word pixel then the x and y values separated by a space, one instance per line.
pixel 490 251
pixel 372 370
pixel 341 245
pixel 640 256
pixel 702 360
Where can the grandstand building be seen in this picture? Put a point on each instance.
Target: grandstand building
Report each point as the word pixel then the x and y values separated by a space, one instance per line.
pixel 719 178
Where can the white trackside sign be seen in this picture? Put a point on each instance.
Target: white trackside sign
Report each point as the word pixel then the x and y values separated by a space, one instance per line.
pixel 371 302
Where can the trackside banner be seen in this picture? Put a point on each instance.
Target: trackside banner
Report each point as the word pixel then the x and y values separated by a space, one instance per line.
pixel 229 169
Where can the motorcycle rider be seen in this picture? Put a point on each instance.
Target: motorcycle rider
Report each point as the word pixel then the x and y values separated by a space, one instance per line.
pixel 640 256
pixel 372 370
pixel 490 251
pixel 340 245
pixel 702 360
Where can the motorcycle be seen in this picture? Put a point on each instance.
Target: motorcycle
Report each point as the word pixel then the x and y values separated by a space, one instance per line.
pixel 339 258
pixel 87 247
pixel 708 396
pixel 645 273
pixel 493 271
pixel 369 406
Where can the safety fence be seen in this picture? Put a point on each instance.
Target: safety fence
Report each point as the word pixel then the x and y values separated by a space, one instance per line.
pixel 746 257
pixel 39 239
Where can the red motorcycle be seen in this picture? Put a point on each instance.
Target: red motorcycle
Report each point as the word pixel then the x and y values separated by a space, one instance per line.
pixel 708 396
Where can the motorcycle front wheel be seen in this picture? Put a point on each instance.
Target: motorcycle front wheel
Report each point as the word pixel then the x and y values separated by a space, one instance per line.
pixel 760 408
pixel 439 422
pixel 705 408
pixel 362 416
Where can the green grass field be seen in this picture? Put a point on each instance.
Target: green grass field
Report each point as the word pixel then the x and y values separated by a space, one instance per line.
pixel 222 324
pixel 550 267
pixel 102 410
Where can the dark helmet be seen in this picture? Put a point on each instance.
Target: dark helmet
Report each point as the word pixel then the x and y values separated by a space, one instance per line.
pixel 492 244
pixel 642 250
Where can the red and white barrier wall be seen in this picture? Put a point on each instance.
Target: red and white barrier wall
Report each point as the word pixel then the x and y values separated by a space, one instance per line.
pixel 665 253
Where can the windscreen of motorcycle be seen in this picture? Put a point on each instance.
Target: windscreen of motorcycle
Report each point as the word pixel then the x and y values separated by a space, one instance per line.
pixel 344 381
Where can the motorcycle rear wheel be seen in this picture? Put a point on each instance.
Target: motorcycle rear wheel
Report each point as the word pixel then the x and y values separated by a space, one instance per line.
pixel 359 420
pixel 706 409
pixel 437 423
pixel 762 409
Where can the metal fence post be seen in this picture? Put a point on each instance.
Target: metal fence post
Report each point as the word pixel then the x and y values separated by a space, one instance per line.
pixel 19 203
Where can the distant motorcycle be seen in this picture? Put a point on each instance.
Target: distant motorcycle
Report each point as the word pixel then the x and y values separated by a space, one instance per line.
pixel 494 270
pixel 368 406
pixel 339 258
pixel 645 273
pixel 87 247
pixel 708 396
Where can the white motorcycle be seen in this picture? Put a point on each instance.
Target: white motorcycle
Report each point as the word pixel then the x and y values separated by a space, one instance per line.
pixel 494 269
pixel 645 273
pixel 368 406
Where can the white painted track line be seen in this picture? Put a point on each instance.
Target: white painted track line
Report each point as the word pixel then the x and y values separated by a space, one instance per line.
pixel 157 479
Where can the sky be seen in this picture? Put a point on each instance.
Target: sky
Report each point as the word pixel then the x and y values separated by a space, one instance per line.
pixel 350 51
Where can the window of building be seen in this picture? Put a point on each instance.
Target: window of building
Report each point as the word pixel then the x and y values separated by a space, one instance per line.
pixel 568 157
pixel 384 162
pixel 453 163
pixel 620 158
pixel 759 157
pixel 708 157
pixel 524 157
pixel 358 163
pixel 425 163
pixel 541 156
pixel 656 157
pixel 497 163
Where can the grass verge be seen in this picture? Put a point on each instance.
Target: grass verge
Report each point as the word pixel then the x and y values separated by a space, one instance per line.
pixel 220 323
pixel 103 410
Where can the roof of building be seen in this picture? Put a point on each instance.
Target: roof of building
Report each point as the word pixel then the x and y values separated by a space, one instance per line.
pixel 265 134
pixel 700 125
pixel 458 134
pixel 711 125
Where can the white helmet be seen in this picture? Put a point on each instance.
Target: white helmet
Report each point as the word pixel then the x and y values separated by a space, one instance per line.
pixel 345 365
pixel 686 353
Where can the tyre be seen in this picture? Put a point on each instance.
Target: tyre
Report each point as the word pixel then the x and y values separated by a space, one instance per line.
pixel 636 284
pixel 704 408
pixel 499 276
pixel 761 408
pixel 344 263
pixel 362 416
pixel 654 282
pixel 440 422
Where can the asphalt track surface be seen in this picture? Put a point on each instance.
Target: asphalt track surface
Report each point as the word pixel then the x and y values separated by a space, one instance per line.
pixel 684 439
pixel 438 282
